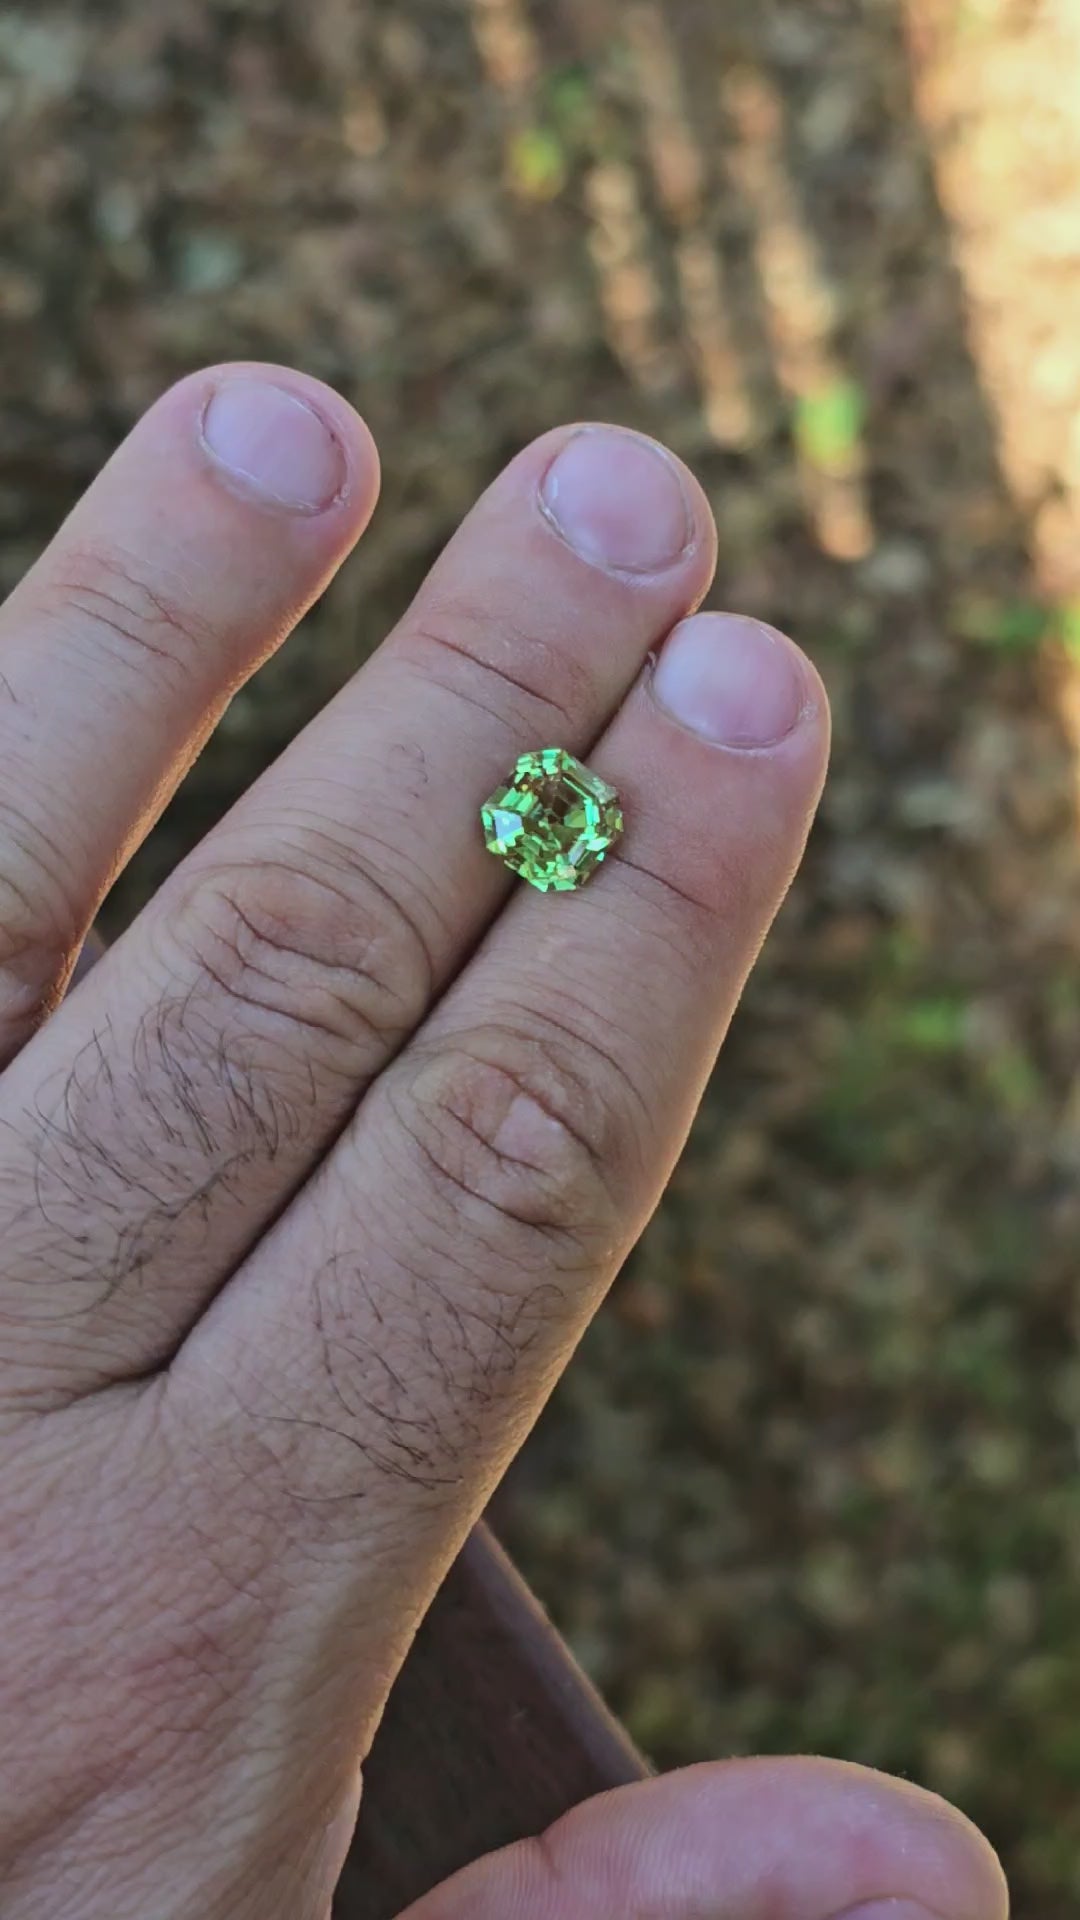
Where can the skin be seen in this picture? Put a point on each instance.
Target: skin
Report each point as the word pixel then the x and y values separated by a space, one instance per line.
pixel 309 1189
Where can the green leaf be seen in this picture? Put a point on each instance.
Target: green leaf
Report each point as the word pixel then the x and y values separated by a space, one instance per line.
pixel 1011 626
pixel 1069 629
pixel 538 163
pixel 933 1026
pixel 828 425
pixel 570 94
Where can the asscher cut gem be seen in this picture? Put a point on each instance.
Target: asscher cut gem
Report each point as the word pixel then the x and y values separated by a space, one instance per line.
pixel 553 822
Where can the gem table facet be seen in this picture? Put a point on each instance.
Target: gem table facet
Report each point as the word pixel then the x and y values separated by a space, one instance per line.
pixel 553 821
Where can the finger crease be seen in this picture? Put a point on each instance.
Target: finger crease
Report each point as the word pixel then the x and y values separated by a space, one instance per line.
pixel 502 674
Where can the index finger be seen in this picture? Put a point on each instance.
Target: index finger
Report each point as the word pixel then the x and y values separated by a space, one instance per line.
pixel 179 570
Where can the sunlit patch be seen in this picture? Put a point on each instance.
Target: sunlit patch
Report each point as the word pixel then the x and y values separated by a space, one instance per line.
pixel 507 45
pixel 1006 177
pixel 679 172
pixel 511 57
pixel 799 312
pixel 629 291
pixel 364 124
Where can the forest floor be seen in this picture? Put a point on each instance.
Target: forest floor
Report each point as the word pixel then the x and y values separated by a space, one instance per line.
pixel 813 1480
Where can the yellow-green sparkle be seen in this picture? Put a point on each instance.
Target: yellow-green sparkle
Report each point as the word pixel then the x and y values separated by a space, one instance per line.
pixel 553 821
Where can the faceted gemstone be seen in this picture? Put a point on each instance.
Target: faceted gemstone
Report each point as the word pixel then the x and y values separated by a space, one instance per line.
pixel 553 821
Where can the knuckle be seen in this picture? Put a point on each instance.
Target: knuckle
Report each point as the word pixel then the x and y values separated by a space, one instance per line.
pixel 138 616
pixel 40 925
pixel 514 1130
pixel 482 656
pixel 338 963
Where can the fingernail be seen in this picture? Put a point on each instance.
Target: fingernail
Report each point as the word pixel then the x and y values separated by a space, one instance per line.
pixel 901 1909
pixel 618 500
pixel 731 680
pixel 275 445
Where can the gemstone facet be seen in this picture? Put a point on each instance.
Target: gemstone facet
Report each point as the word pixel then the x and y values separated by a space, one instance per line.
pixel 553 821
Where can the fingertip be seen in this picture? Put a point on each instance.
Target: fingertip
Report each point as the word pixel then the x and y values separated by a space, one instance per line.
pixel 977 1887
pixel 624 502
pixel 274 438
pixel 840 1837
pixel 617 500
pixel 799 1838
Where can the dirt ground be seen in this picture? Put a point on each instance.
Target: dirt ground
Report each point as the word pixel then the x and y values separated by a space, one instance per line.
pixel 813 1480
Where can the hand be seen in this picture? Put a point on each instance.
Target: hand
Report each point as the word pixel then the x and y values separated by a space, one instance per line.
pixel 308 1190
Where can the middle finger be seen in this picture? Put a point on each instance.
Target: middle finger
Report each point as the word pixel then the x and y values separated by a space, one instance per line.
pixel 185 1090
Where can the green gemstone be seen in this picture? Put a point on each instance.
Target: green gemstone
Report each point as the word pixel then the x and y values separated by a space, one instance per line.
pixel 553 821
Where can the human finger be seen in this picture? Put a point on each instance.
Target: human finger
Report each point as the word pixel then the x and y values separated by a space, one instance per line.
pixel 197 548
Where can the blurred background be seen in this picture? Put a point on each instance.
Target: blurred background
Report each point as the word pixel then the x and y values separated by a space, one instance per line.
pixel 813 1481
